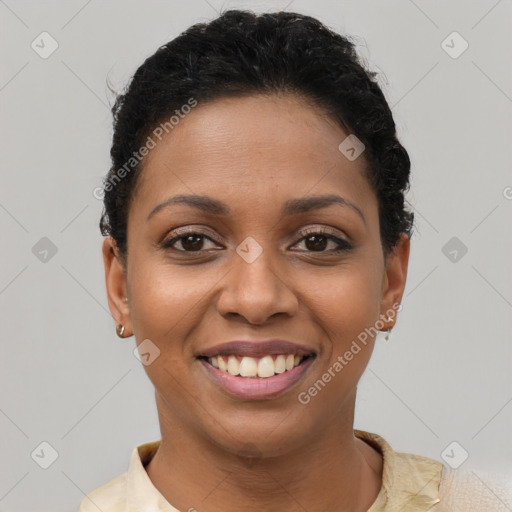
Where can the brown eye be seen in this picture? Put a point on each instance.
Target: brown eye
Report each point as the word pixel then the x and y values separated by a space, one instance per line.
pixel 192 242
pixel 318 241
pixel 189 242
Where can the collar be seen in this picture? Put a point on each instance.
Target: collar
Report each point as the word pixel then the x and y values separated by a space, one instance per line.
pixel 141 494
pixel 409 482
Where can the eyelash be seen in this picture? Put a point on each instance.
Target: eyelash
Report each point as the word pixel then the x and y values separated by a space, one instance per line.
pixel 343 245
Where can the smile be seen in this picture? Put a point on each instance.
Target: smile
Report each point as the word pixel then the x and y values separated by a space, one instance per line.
pixel 252 378
pixel 252 367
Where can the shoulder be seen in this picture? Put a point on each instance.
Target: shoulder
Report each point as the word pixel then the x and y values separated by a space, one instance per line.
pixel 474 491
pixel 124 490
pixel 110 497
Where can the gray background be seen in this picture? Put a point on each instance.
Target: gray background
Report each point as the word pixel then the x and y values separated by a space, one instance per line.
pixel 68 380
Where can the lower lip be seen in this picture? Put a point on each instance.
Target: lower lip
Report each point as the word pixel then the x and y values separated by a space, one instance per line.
pixel 254 388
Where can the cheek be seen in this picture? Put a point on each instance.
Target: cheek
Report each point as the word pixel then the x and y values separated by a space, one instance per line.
pixel 346 301
pixel 165 307
pixel 165 299
pixel 346 307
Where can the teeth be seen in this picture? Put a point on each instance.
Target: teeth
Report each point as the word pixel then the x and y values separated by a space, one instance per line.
pixel 248 367
pixel 222 364
pixel 233 365
pixel 263 367
pixel 280 364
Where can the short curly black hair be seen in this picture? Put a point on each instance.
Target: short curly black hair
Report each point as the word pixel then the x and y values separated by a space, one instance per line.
pixel 243 53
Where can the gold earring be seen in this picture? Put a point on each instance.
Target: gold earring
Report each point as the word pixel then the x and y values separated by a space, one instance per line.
pixel 120 330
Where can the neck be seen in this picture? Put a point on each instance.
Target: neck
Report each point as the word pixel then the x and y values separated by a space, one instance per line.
pixel 192 473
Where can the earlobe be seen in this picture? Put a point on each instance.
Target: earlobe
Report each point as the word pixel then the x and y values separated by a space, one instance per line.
pixel 116 285
pixel 394 280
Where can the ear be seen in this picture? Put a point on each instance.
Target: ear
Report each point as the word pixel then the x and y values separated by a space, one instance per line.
pixel 395 276
pixel 116 284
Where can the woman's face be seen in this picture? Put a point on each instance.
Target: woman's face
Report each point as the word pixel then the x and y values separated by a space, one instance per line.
pixel 266 261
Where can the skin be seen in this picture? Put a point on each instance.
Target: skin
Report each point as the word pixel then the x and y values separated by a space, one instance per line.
pixel 253 154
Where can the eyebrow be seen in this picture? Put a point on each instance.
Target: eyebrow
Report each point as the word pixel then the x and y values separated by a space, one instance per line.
pixel 291 207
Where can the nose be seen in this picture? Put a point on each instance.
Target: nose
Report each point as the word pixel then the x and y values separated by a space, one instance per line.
pixel 255 291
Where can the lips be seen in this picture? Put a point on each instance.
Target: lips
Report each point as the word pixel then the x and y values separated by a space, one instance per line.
pixel 252 386
pixel 244 388
pixel 256 349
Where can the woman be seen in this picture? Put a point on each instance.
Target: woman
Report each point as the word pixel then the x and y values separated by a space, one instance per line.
pixel 256 242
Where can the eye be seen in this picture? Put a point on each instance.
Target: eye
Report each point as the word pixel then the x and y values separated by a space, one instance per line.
pixel 190 241
pixel 318 239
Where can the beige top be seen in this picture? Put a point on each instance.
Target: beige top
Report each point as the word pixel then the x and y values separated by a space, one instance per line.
pixel 410 483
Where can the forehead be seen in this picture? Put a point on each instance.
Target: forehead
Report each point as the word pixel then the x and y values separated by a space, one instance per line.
pixel 251 149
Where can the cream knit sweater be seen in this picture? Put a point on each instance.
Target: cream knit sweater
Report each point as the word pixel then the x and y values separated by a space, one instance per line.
pixel 471 491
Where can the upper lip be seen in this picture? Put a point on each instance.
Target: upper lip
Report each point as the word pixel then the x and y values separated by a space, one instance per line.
pixel 256 348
